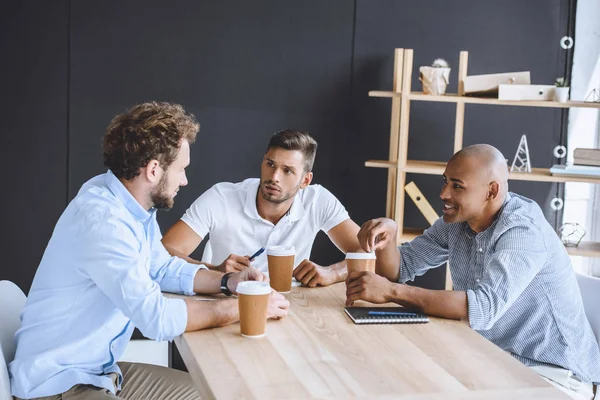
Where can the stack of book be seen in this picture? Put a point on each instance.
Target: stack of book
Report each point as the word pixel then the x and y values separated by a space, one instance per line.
pixel 586 163
pixel 586 157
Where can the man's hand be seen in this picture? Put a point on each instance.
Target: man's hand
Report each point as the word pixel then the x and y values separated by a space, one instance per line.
pixel 365 285
pixel 248 274
pixel 278 306
pixel 377 234
pixel 312 275
pixel 234 263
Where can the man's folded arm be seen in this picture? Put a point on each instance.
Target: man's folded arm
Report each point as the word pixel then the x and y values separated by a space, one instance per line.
pixel 113 262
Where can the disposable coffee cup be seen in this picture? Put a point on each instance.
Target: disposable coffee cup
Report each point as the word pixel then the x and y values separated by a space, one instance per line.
pixel 360 262
pixel 253 303
pixel 281 266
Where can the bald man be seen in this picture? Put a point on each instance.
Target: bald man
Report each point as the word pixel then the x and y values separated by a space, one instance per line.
pixel 513 279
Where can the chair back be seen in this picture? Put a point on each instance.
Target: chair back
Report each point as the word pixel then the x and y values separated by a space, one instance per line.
pixel 12 301
pixel 590 293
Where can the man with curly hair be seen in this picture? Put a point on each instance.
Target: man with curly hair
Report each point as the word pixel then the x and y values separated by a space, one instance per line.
pixel 105 267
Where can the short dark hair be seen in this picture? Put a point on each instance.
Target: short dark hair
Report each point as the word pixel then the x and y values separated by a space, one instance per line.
pixel 290 139
pixel 148 131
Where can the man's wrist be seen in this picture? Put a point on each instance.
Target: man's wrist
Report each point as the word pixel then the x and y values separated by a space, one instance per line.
pixel 340 272
pixel 225 281
pixel 232 282
pixel 225 312
pixel 394 292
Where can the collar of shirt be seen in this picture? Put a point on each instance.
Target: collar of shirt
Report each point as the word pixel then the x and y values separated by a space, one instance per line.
pixel 132 205
pixel 472 234
pixel 295 213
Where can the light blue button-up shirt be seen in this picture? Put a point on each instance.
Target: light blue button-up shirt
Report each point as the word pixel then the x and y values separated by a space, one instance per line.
pixel 101 274
pixel 521 289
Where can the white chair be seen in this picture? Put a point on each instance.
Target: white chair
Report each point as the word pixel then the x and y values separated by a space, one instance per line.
pixel 12 301
pixel 590 293
pixel 147 352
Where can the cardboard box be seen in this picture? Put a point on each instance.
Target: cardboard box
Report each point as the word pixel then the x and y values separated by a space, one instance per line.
pixel 486 85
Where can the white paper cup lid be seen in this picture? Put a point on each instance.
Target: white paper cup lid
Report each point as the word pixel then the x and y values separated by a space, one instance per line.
pixel 253 287
pixel 360 256
pixel 281 251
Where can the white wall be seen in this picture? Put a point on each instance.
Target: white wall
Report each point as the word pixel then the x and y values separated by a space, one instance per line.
pixel 583 126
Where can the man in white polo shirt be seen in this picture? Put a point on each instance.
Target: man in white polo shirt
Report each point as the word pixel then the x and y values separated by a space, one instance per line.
pixel 280 208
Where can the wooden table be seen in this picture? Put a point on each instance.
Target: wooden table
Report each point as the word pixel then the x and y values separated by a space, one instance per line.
pixel 318 352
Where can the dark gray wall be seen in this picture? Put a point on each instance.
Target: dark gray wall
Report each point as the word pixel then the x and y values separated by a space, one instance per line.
pixel 246 70
pixel 33 134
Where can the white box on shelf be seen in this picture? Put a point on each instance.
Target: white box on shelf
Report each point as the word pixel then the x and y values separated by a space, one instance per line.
pixel 526 92
pixel 489 83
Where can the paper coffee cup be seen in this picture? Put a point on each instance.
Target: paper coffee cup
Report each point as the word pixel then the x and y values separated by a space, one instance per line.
pixel 253 303
pixel 360 262
pixel 281 267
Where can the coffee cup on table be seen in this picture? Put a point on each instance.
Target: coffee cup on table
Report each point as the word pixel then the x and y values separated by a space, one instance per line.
pixel 253 303
pixel 281 267
pixel 360 262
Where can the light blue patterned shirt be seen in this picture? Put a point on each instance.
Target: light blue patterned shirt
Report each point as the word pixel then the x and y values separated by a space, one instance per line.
pixel 101 274
pixel 521 288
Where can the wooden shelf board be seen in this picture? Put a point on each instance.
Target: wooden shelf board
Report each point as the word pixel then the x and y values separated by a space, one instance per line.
pixel 585 249
pixel 437 168
pixel 455 98
pixel 380 164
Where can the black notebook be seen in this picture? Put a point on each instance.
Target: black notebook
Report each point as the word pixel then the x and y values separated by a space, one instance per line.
pixel 385 315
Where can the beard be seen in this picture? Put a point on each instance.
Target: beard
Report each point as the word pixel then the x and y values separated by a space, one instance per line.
pixel 159 196
pixel 277 198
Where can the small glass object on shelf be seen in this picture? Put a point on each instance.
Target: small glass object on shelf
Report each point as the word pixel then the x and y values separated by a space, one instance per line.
pixel 571 233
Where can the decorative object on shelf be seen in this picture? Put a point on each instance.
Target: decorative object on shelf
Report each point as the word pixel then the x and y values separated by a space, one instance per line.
pixel 557 204
pixel 561 92
pixel 560 151
pixel 521 162
pixel 571 233
pixel 593 97
pixel 435 78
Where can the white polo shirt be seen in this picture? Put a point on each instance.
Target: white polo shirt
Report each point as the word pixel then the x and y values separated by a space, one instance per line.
pixel 227 212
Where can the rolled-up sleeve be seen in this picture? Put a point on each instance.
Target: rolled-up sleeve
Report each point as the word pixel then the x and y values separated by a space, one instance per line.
pixel 425 252
pixel 173 274
pixel 114 263
pixel 519 255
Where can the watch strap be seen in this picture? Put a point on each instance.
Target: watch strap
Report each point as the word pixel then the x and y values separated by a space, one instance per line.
pixel 224 289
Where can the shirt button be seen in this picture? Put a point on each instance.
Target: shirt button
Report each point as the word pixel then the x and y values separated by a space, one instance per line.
pixel 480 250
pixel 477 280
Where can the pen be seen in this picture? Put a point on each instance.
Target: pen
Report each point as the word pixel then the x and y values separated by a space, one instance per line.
pixel 393 313
pixel 258 253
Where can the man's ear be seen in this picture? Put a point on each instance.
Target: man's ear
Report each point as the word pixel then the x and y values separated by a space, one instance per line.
pixel 306 180
pixel 153 172
pixel 493 190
